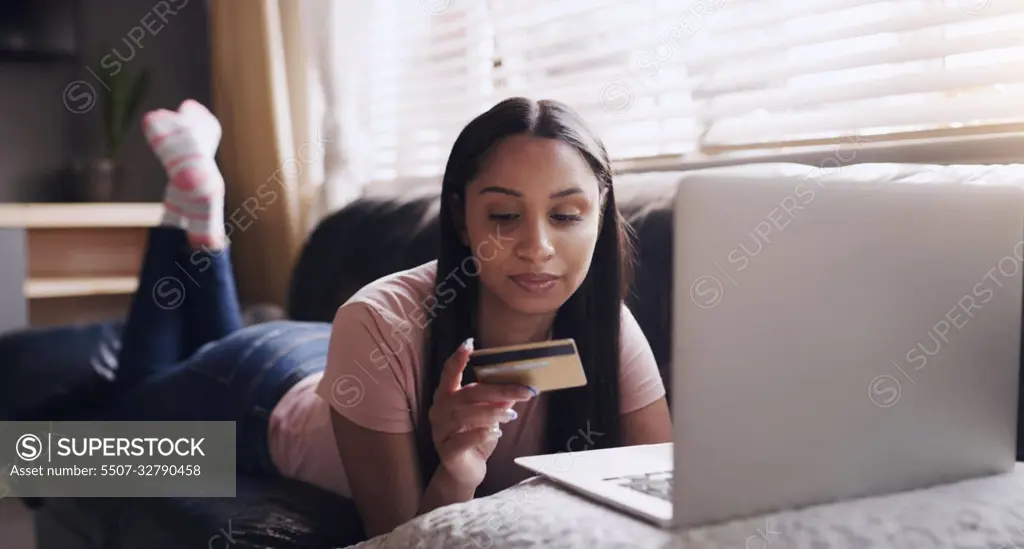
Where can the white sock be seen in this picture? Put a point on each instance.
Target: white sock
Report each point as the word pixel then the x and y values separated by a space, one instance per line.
pixel 186 141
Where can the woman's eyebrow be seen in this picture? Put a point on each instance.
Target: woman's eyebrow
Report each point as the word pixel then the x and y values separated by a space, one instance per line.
pixel 500 190
pixel 511 192
pixel 567 192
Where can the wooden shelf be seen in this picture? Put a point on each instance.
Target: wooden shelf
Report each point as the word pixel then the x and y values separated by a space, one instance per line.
pixel 38 56
pixel 68 263
pixel 80 215
pixel 52 287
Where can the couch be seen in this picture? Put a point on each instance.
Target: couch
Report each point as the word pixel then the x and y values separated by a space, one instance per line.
pixel 392 227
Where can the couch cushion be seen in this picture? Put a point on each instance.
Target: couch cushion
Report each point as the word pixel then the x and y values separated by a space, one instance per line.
pixel 266 512
pixel 48 370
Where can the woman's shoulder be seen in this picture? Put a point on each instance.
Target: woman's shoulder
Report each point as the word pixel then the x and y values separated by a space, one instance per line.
pixel 634 349
pixel 399 296
pixel 376 349
pixel 640 377
pixel 629 328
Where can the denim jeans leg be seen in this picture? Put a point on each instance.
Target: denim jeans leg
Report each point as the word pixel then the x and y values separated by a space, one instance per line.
pixel 153 333
pixel 283 363
pixel 239 378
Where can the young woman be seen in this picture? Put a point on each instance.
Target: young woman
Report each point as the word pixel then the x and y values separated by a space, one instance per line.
pixel 379 405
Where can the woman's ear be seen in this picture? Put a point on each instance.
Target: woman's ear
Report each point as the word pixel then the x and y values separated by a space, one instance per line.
pixel 458 210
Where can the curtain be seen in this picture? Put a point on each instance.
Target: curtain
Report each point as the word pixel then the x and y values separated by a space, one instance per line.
pixel 260 92
pixel 338 104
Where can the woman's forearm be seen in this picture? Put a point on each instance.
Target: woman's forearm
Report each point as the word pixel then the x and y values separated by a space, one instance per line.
pixel 443 490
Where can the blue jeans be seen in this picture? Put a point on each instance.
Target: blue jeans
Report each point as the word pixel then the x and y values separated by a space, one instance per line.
pixel 186 356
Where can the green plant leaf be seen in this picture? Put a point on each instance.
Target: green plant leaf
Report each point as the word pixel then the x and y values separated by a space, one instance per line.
pixel 125 103
pixel 122 98
pixel 117 112
pixel 133 102
pixel 108 109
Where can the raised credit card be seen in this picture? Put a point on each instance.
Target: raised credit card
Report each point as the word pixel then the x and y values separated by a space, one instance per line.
pixel 545 366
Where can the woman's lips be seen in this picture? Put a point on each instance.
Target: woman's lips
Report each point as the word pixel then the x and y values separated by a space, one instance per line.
pixel 535 282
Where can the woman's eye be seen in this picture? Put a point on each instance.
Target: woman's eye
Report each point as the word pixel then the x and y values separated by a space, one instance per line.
pixel 504 217
pixel 567 218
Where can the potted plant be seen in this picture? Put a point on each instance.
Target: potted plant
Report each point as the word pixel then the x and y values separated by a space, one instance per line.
pixel 121 98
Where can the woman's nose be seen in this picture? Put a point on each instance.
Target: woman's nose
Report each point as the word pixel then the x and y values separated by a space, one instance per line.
pixel 535 242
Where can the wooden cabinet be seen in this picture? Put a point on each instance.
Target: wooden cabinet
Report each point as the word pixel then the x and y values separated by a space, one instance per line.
pixel 68 263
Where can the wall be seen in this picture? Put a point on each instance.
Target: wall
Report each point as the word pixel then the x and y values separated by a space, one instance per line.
pixel 41 138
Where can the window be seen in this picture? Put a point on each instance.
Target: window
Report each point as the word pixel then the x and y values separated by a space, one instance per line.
pixel 688 80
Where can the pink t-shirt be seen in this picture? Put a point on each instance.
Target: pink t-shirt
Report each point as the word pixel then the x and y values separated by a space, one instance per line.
pixel 374 367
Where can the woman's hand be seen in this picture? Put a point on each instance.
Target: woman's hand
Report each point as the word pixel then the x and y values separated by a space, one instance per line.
pixel 465 420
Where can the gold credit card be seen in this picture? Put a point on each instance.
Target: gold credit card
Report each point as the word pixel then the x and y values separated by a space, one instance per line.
pixel 545 366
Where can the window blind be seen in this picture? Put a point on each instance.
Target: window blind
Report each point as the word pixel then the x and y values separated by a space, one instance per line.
pixel 664 77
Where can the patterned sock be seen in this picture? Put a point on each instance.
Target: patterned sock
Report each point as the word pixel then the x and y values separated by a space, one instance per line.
pixel 185 141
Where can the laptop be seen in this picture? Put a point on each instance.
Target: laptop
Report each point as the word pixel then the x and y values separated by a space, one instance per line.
pixel 832 339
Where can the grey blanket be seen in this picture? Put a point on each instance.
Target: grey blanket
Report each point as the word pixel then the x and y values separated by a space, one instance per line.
pixel 984 513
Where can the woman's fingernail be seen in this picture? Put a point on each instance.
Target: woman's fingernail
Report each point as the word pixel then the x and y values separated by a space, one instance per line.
pixel 531 389
pixel 468 344
pixel 512 414
pixel 496 431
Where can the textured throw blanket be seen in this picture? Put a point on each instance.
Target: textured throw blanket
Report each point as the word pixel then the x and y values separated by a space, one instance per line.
pixel 984 513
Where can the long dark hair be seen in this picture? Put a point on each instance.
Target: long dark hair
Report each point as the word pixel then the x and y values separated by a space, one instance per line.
pixel 590 316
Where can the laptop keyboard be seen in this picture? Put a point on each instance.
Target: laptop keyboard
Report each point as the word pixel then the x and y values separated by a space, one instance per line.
pixel 658 484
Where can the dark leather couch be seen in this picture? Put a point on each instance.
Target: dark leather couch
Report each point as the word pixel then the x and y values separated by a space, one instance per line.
pixel 397 229
pixel 391 228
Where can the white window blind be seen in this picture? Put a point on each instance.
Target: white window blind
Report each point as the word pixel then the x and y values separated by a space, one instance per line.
pixel 671 77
